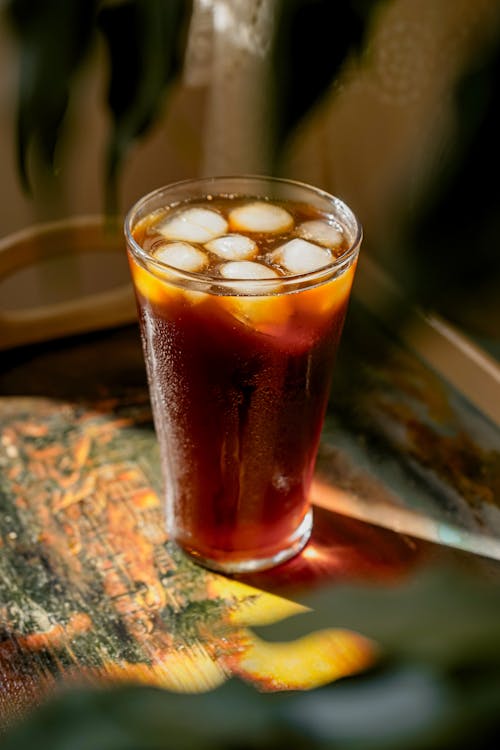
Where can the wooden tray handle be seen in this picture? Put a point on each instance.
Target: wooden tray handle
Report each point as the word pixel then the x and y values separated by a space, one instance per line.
pixel 104 309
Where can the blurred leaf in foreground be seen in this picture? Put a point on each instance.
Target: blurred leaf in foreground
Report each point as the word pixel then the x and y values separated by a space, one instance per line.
pixel 443 618
pixel 437 687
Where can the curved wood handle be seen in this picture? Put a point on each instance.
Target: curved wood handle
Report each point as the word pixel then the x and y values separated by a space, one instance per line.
pixel 84 313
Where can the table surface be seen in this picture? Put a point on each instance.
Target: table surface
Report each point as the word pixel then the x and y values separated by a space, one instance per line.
pixel 91 590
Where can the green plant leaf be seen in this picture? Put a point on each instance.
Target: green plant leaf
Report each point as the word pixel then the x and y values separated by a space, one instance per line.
pixel 435 692
pixel 313 39
pixel 145 40
pixel 441 618
pixel 54 37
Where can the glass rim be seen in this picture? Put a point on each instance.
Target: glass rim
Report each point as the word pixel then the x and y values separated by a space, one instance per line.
pixel 229 286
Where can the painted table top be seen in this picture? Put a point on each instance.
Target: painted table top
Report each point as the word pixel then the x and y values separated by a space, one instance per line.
pixel 92 591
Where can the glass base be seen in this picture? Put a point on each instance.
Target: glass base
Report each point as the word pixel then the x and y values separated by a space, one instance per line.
pixel 296 543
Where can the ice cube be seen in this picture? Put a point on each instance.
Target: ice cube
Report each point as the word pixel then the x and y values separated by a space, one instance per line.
pixel 233 247
pixel 300 256
pixel 320 232
pixel 251 305
pixel 194 225
pixel 260 217
pixel 248 270
pixel 182 255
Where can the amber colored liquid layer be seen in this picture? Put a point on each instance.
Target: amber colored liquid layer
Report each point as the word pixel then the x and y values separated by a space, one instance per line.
pixel 239 388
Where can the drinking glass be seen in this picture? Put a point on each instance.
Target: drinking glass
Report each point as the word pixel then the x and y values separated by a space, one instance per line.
pixel 239 373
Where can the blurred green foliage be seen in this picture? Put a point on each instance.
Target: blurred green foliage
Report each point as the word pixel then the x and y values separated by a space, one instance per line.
pixel 145 42
pixel 437 686
pixel 54 40
pixel 456 226
pixel 312 42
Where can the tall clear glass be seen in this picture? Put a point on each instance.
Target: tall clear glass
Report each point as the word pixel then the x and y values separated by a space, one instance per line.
pixel 239 376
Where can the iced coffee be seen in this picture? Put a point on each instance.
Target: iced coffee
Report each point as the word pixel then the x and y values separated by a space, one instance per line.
pixel 242 286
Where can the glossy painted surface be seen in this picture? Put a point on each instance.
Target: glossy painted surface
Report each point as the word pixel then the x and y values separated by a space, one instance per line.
pixel 90 588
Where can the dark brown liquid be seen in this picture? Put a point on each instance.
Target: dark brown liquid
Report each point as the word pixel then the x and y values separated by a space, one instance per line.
pixel 239 389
